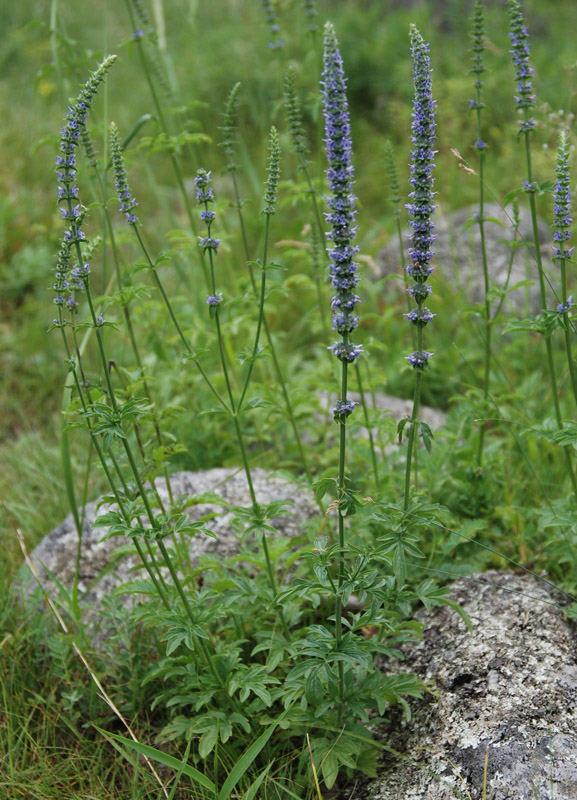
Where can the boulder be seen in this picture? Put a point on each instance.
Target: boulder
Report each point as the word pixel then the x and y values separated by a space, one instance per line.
pixel 99 575
pixel 508 690
pixel 458 258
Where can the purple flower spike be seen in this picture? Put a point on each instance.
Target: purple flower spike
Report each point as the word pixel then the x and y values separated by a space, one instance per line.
pixel 419 359
pixel 421 207
pixel 340 174
pixel 562 198
pixel 125 198
pixel 519 36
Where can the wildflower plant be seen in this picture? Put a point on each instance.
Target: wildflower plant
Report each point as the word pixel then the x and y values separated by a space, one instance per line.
pixel 256 653
pixel 272 20
pixel 343 270
pixel 562 254
pixel 421 209
pixel 477 105
pixel 525 100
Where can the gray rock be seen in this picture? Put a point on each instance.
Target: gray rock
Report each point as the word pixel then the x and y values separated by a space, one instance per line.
pixel 509 689
pixel 458 255
pixel 100 574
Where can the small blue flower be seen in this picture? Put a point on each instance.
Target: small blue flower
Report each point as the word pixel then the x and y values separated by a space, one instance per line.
pixel 346 352
pixel 310 13
pixel 214 299
pixel 208 243
pixel 420 316
pixel 419 359
pixel 271 17
pixel 343 409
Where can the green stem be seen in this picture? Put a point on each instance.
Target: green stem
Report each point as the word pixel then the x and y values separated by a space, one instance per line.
pixel 414 424
pixel 106 468
pixel 548 344
pixel 488 326
pixel 129 326
pixel 567 322
pixel 341 531
pixel 275 361
pixel 368 424
pixel 162 121
pixel 175 322
pixel 260 313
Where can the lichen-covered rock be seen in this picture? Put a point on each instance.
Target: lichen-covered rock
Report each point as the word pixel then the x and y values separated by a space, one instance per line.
pixel 509 689
pixel 458 255
pixel 99 575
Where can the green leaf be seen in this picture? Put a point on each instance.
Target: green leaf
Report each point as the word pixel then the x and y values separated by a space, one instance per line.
pixel 511 196
pixel 246 760
pixel 322 486
pixel 400 565
pixel 401 428
pixel 426 435
pixel 314 689
pixel 163 758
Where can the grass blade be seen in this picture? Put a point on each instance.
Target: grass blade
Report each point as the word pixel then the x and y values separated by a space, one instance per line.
pixel 164 758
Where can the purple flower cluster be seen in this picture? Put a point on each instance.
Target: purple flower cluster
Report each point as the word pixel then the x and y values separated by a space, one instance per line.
pixel 346 352
pixel 70 279
pixel 478 49
pixel 420 316
pixel 519 37
pixel 344 409
pixel 421 207
pixel 563 308
pixel 562 198
pixel 271 17
pixel 208 243
pixel 340 174
pixel 205 195
pixel 70 133
pixel 310 13
pixel 125 198
pixel 419 359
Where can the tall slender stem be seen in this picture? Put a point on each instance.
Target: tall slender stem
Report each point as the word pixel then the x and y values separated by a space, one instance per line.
pixel 548 343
